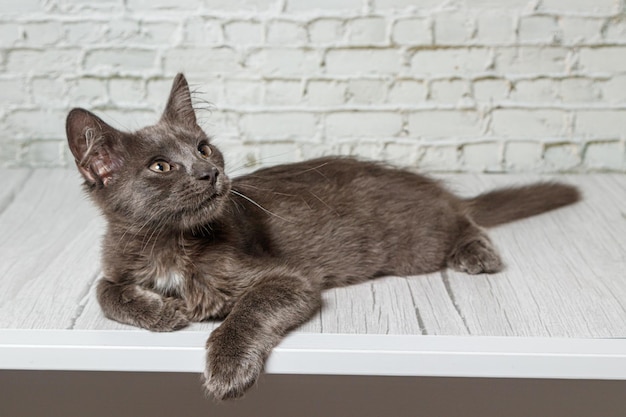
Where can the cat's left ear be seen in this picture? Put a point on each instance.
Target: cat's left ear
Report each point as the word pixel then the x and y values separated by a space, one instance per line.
pixel 96 146
pixel 179 109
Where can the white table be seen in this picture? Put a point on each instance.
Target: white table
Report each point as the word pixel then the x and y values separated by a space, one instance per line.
pixel 558 310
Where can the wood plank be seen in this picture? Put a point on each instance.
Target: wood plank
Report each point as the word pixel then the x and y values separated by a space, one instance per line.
pixel 380 306
pixel 436 307
pixel 562 277
pixel 49 252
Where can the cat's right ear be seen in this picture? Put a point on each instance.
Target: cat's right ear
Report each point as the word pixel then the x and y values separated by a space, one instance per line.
pixel 94 145
pixel 179 108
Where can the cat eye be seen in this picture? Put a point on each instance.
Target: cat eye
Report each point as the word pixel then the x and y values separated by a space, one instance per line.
pixel 160 166
pixel 205 150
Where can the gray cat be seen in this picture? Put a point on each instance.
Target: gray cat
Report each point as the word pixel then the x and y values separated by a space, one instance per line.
pixel 186 243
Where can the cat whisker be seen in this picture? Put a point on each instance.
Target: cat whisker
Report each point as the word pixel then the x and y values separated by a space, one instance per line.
pixel 258 205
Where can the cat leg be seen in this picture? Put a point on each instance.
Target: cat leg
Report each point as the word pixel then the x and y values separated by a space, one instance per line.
pixel 473 252
pixel 237 350
pixel 138 306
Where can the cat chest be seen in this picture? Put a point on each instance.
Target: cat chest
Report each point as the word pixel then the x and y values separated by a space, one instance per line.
pixel 168 281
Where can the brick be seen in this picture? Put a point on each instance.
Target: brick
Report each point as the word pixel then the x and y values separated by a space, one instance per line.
pixel 414 31
pixel 453 61
pixel 523 123
pixel 402 154
pixel 367 31
pixel 113 60
pixel 407 5
pixel 157 91
pixel 13 91
pixel 286 33
pixel 601 124
pixel 284 62
pixel 439 158
pixel 241 92
pixel 201 61
pixel 283 92
pixel 204 32
pixel 324 31
pixel 10 34
pixel 278 125
pixel 448 91
pixel 491 89
pixel 363 124
pixel 122 30
pixel 87 91
pixel 160 33
pixel 42 33
pixel 538 29
pixel 615 30
pixel 127 91
pixel 605 155
pixel 325 5
pixel 11 8
pixel 579 6
pixel 444 124
pixel 482 157
pixel 531 60
pixel 407 92
pixel 39 124
pixel 499 4
pixel 363 61
pixel 223 124
pixel 494 29
pixel 366 91
pixel 325 92
pixel 523 156
pixel 579 90
pixel 145 5
pixel 244 33
pixel 561 156
pixel 453 29
pixel 540 90
pixel 245 5
pixel 49 91
pixel 85 33
pixel 30 61
pixel 614 89
pixel 581 30
pixel 604 59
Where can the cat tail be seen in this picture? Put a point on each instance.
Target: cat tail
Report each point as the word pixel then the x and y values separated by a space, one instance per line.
pixel 505 205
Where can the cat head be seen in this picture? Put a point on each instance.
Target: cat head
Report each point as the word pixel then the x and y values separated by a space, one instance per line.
pixel 165 173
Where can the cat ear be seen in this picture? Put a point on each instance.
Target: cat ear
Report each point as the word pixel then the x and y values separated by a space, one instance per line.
pixel 179 108
pixel 95 146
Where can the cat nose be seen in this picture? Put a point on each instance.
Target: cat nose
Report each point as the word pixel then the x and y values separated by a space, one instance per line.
pixel 210 174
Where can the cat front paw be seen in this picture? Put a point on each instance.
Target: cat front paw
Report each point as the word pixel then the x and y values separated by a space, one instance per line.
pixel 172 316
pixel 233 364
pixel 154 312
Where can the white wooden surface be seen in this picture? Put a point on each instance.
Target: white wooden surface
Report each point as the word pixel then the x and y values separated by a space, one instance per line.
pixel 562 295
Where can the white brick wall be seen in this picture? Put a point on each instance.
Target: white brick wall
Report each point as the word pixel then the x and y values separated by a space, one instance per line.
pixel 480 85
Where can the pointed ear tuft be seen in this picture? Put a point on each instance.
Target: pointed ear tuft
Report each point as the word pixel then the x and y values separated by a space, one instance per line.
pixel 179 108
pixel 95 146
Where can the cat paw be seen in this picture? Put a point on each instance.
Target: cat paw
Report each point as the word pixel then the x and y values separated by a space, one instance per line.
pixel 172 316
pixel 232 366
pixel 476 257
pixel 156 313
